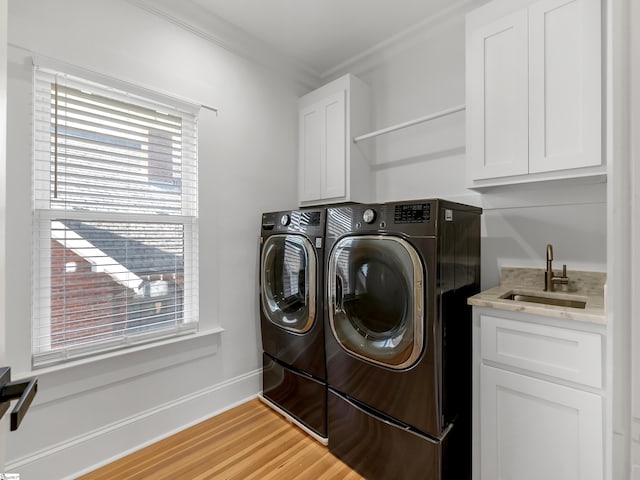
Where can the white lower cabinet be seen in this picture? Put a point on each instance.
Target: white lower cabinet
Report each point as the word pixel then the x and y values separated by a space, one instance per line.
pixel 533 429
pixel 536 419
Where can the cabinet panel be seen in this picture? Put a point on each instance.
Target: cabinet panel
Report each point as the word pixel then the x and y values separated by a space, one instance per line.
pixel 497 103
pixel 565 84
pixel 532 429
pixel 334 165
pixel 558 352
pixel 310 153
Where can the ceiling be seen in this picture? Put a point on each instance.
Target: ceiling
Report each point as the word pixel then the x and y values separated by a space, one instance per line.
pixel 323 34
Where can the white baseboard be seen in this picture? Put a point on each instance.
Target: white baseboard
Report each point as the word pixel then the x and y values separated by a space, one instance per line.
pixel 85 453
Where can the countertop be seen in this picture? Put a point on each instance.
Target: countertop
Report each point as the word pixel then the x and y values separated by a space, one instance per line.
pixel 584 286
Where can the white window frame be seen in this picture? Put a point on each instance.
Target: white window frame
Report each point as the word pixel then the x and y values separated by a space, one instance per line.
pixel 42 218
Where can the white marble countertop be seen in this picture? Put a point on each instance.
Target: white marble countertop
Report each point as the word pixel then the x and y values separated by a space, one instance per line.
pixel 583 286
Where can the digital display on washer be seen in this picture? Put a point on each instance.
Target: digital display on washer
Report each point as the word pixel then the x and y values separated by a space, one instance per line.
pixel 412 213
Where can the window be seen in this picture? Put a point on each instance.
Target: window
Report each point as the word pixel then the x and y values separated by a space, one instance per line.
pixel 115 217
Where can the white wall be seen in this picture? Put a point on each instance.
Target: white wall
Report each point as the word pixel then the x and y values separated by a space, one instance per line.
pixel 621 253
pixel 634 78
pixel 85 414
pixel 423 74
pixel 3 151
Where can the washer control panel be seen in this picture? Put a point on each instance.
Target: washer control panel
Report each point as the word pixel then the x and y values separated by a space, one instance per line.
pixel 310 222
pixel 412 213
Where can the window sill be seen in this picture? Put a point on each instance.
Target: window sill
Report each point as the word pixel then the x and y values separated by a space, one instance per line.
pixel 121 353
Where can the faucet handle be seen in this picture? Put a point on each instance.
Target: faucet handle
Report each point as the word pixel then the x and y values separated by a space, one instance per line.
pixel 561 280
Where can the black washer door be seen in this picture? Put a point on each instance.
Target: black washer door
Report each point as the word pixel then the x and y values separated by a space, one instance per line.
pixel 288 281
pixel 376 299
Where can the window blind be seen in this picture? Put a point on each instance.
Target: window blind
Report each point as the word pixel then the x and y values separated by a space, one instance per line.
pixel 115 218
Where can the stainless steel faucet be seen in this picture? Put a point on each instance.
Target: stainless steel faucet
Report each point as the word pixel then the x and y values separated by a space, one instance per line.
pixel 550 280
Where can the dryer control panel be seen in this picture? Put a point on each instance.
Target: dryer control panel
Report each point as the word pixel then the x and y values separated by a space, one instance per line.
pixel 308 222
pixel 412 213
pixel 419 218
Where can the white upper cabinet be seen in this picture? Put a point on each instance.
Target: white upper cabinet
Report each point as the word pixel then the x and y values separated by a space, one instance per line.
pixel 331 167
pixel 534 100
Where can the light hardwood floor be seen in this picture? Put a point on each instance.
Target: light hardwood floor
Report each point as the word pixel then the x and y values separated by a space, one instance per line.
pixel 250 441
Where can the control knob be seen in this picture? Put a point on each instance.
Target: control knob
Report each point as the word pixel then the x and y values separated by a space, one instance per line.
pixel 369 215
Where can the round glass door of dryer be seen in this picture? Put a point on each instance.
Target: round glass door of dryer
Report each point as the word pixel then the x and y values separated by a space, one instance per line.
pixel 376 299
pixel 288 282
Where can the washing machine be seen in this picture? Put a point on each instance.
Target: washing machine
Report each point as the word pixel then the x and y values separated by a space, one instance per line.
pixel 291 316
pixel 398 337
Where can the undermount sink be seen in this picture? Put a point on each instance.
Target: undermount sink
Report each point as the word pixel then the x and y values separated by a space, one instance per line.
pixel 558 302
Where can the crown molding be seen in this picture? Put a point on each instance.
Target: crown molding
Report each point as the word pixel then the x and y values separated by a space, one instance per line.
pixel 200 22
pixel 418 33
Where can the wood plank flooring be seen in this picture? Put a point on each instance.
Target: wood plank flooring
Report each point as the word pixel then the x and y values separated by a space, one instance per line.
pixel 250 441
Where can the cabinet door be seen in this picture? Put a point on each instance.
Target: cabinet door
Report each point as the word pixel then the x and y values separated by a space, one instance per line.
pixel 565 84
pixel 497 98
pixel 334 164
pixel 533 429
pixel 323 157
pixel 311 139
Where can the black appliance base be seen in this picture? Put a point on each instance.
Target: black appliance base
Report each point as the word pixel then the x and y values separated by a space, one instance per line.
pixel 379 448
pixel 297 394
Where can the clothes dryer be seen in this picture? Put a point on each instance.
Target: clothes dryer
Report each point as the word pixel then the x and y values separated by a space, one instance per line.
pixel 398 337
pixel 291 316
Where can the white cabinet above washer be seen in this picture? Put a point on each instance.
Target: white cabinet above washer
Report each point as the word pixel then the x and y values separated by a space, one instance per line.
pixel 331 167
pixel 534 91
